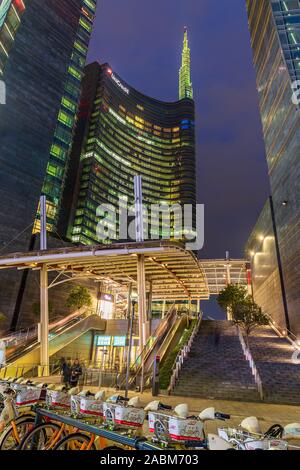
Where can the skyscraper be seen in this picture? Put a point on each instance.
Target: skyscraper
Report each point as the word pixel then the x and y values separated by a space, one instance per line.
pixel 122 133
pixel 275 38
pixel 43 47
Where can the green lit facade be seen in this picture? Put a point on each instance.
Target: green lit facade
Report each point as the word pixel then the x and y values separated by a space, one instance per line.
pixel 122 133
pixel 63 134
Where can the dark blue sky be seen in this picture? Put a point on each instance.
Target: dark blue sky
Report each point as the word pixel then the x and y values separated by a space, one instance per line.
pixel 142 41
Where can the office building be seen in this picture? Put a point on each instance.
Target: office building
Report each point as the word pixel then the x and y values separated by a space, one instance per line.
pixel 275 38
pixel 43 47
pixel 122 133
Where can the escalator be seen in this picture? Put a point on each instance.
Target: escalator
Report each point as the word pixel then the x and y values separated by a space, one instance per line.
pixel 26 356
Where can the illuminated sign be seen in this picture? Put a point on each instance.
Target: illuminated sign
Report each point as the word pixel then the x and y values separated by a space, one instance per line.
pixel 107 297
pixel 103 340
pixel 120 84
pixel 4 7
pixel 119 341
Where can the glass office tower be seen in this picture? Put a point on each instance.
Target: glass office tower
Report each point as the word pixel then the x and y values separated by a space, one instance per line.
pixel 45 45
pixel 11 12
pixel 122 133
pixel 275 38
pixel 63 134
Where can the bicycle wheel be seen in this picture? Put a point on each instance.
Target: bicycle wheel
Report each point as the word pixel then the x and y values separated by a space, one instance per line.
pixel 14 433
pixel 76 441
pixel 43 437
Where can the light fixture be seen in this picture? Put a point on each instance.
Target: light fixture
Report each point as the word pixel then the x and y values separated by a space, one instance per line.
pixel 285 203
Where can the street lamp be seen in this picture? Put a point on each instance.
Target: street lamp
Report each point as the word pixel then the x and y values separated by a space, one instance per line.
pixel 133 304
pixel 104 353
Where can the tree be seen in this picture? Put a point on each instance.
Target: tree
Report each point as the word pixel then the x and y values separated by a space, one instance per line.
pixel 231 295
pixel 248 315
pixel 79 297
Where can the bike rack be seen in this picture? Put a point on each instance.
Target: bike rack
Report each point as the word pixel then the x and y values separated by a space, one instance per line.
pixel 135 443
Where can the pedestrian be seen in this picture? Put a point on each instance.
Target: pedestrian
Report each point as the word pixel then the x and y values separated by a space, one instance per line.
pixel 217 337
pixel 66 371
pixel 76 372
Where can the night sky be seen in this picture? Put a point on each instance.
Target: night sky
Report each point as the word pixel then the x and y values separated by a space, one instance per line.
pixel 142 41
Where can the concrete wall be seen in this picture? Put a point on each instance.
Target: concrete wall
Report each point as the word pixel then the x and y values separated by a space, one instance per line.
pixel 261 252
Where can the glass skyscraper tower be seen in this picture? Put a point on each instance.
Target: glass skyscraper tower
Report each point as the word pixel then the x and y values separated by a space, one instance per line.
pixel 43 47
pixel 122 133
pixel 275 38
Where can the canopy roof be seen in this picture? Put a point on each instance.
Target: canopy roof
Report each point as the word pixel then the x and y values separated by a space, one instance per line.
pixel 175 273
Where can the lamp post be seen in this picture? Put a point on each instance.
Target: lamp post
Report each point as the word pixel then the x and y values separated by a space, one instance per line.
pixel 133 303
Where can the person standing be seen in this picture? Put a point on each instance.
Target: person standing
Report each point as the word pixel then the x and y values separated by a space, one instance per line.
pixel 76 372
pixel 66 371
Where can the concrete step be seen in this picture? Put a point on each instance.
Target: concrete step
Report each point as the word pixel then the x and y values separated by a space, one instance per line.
pixel 216 366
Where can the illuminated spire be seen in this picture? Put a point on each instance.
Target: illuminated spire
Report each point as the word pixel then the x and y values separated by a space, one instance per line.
pixel 185 84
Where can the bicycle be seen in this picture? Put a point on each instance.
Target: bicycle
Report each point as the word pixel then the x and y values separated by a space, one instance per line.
pixel 14 426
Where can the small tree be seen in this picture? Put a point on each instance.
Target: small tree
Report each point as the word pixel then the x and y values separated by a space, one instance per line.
pixel 79 297
pixel 248 315
pixel 232 294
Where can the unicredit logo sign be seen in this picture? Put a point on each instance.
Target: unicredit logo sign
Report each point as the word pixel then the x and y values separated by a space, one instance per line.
pixel 120 84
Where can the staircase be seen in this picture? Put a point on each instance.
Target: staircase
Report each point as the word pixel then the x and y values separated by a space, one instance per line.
pixel 216 367
pixel 273 358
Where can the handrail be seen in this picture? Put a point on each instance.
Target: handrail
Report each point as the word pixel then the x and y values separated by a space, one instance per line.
pixel 284 332
pixel 252 364
pixel 183 353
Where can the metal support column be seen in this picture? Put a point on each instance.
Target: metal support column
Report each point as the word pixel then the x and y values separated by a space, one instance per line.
pixel 163 313
pixel 129 348
pixel 141 287
pixel 44 301
pixel 228 281
pixel 44 328
pixel 149 306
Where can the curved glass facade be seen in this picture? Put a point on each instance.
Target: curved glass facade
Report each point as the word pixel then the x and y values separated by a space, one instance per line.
pixel 122 133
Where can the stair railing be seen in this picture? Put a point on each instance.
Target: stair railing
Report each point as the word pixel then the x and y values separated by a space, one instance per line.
pixel 182 355
pixel 284 333
pixel 249 358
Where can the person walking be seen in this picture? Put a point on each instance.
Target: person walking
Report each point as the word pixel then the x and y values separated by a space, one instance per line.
pixel 76 372
pixel 66 371
pixel 217 337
